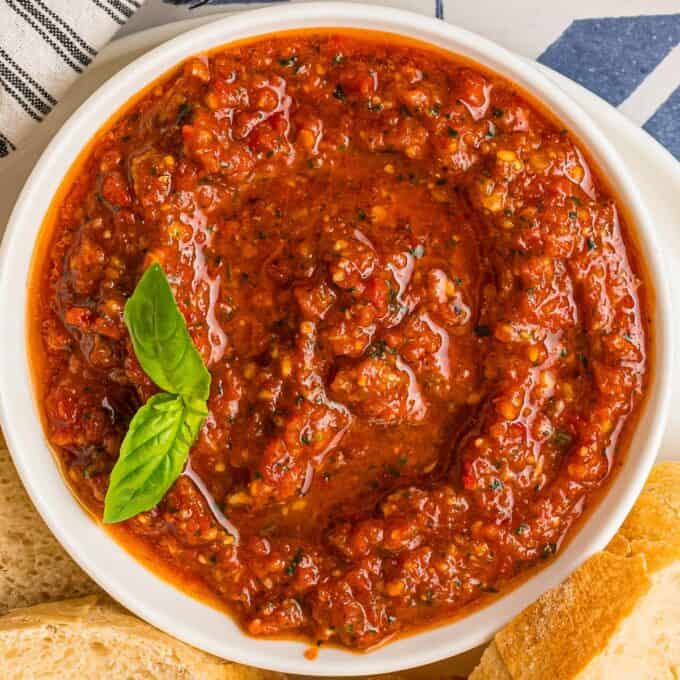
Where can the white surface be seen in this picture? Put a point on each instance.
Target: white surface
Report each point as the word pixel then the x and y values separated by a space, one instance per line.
pixel 658 86
pixel 655 172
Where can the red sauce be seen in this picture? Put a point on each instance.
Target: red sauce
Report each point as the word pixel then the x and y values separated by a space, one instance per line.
pixel 420 307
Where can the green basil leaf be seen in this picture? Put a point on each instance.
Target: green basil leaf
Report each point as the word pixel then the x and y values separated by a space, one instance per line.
pixel 152 455
pixel 160 435
pixel 161 340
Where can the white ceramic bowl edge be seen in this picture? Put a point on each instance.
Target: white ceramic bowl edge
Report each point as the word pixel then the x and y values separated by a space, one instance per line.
pixel 115 570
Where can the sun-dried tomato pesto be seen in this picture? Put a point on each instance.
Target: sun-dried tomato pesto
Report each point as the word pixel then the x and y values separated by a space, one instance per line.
pixel 418 304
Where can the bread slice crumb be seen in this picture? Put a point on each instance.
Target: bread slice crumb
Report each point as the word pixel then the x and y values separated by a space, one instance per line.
pixel 93 638
pixel 34 568
pixel 646 645
pixel 491 666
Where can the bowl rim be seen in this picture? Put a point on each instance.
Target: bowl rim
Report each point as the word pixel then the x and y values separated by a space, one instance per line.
pixel 129 581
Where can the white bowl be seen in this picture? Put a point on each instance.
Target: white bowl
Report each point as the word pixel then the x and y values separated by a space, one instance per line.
pixel 108 563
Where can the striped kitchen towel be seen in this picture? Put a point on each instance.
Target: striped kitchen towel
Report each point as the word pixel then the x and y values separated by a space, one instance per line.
pixel 44 46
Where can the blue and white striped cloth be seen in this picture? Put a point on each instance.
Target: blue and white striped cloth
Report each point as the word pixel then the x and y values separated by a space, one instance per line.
pixel 44 46
pixel 626 51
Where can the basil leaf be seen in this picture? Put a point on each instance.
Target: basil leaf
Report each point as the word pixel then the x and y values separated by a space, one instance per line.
pixel 160 435
pixel 153 454
pixel 161 340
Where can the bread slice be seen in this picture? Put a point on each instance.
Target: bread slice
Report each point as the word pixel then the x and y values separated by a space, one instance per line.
pixel 33 566
pixel 618 616
pixel 646 644
pixel 93 637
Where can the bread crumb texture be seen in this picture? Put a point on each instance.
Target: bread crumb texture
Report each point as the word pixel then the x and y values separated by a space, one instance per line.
pixel 93 637
pixel 618 616
pixel 34 568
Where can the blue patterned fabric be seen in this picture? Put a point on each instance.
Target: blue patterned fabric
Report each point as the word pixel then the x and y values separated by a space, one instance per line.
pixel 665 124
pixel 633 61
pixel 612 57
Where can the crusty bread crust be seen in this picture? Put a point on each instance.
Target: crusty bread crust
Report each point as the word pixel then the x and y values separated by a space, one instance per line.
pixel 652 528
pixel 563 635
pixel 568 626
